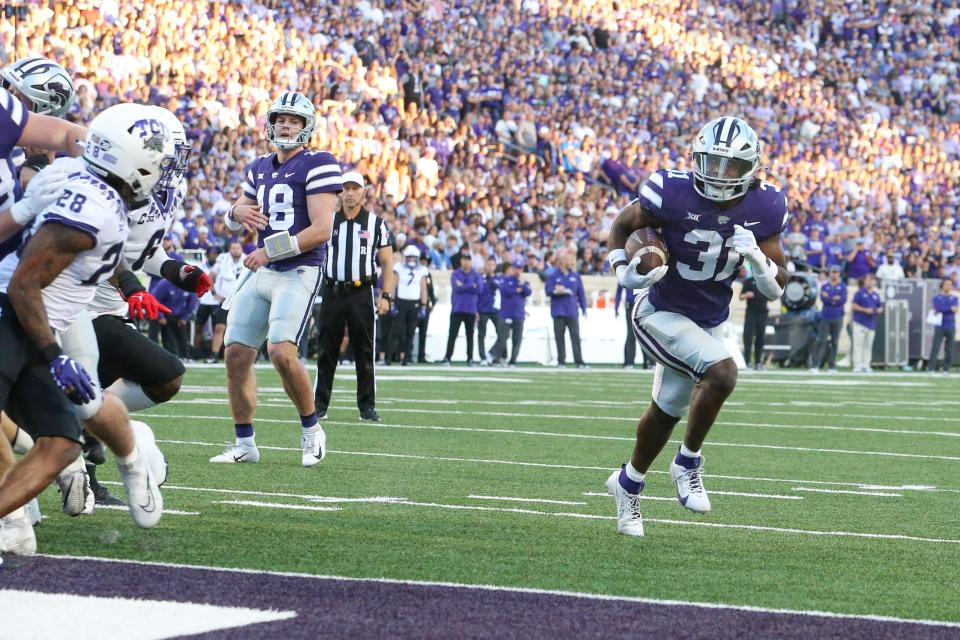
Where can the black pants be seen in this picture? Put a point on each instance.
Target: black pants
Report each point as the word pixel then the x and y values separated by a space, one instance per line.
pixel 401 333
pixel 422 324
pixel 828 332
pixel 630 345
pixel 354 311
pixel 754 333
pixel 482 331
pixel 126 353
pixel 560 325
pixel 947 336
pixel 175 337
pixel 513 329
pixel 456 319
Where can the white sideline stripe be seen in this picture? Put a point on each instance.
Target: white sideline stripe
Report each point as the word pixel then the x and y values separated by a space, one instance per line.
pixel 591 516
pixel 271 494
pixel 546 465
pixel 531 500
pixel 881 494
pixel 276 505
pixel 527 590
pixel 33 614
pixel 583 436
pixel 772 496
pixel 118 507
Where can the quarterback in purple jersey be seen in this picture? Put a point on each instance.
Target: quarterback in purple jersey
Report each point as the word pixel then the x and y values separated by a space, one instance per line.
pixel 713 219
pixel 289 198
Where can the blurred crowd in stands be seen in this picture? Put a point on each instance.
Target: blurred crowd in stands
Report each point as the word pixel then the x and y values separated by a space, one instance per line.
pixel 515 130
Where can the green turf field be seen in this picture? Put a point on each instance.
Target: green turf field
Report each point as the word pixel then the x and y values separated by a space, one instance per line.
pixel 835 493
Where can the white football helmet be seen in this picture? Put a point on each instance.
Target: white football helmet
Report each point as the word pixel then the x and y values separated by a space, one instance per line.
pixel 726 155
pixel 181 147
pixel 411 251
pixel 129 144
pixel 45 83
pixel 295 104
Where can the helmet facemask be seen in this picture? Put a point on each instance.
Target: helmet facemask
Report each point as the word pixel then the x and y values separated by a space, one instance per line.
pixel 726 156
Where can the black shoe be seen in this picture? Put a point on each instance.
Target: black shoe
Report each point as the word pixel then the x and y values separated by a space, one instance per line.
pixel 103 497
pixel 321 414
pixel 93 451
pixel 369 415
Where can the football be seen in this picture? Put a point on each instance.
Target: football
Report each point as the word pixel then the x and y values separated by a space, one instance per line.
pixel 651 247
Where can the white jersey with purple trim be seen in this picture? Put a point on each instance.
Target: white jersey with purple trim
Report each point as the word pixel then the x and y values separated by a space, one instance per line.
pixel 148 225
pixel 89 205
pixel 13 119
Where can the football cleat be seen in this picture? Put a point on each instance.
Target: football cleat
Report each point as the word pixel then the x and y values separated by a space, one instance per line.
pixel 76 496
pixel 369 415
pixel 314 445
pixel 689 482
pixel 147 444
pixel 236 453
pixel 629 520
pixel 17 536
pixel 143 492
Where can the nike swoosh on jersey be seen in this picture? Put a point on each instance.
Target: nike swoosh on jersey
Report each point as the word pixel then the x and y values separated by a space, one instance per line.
pixel 287 175
pixel 750 224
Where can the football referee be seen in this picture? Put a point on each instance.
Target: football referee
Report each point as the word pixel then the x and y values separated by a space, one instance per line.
pixel 348 301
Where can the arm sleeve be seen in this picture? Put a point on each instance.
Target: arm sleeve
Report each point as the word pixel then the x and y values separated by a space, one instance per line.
pixel 651 194
pixel 249 185
pixel 551 284
pixel 13 120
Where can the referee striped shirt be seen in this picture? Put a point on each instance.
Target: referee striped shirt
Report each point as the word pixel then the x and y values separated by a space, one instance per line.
pixel 353 246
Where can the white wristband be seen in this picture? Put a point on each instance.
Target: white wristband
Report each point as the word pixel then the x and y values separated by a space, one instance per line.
pixel 617 256
pixel 21 212
pixel 281 246
pixel 232 224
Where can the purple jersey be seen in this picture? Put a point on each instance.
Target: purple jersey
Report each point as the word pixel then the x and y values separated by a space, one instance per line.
pixel 282 189
pixel 698 233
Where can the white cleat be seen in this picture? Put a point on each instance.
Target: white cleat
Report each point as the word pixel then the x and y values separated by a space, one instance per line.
pixel 690 490
pixel 147 444
pixel 236 453
pixel 629 520
pixel 314 445
pixel 17 536
pixel 143 492
pixel 76 496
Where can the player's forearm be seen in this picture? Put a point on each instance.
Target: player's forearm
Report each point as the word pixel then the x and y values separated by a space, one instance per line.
pixel 27 299
pixel 313 236
pixel 154 264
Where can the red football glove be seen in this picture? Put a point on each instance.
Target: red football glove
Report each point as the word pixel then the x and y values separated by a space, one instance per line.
pixel 142 305
pixel 194 279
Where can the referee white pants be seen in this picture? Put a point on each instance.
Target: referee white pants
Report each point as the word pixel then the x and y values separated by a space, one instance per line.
pixel 273 305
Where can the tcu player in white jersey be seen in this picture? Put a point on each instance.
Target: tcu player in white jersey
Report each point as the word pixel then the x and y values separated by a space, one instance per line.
pixel 75 244
pixel 290 198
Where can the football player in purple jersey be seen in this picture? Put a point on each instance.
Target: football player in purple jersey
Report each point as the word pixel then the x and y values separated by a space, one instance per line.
pixel 289 197
pixel 712 219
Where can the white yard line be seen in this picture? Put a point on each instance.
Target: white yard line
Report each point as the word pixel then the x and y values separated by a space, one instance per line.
pixel 771 496
pixel 276 505
pixel 547 465
pixel 591 516
pixel 118 507
pixel 882 494
pixel 530 500
pixel 566 594
pixel 584 436
pixel 273 494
